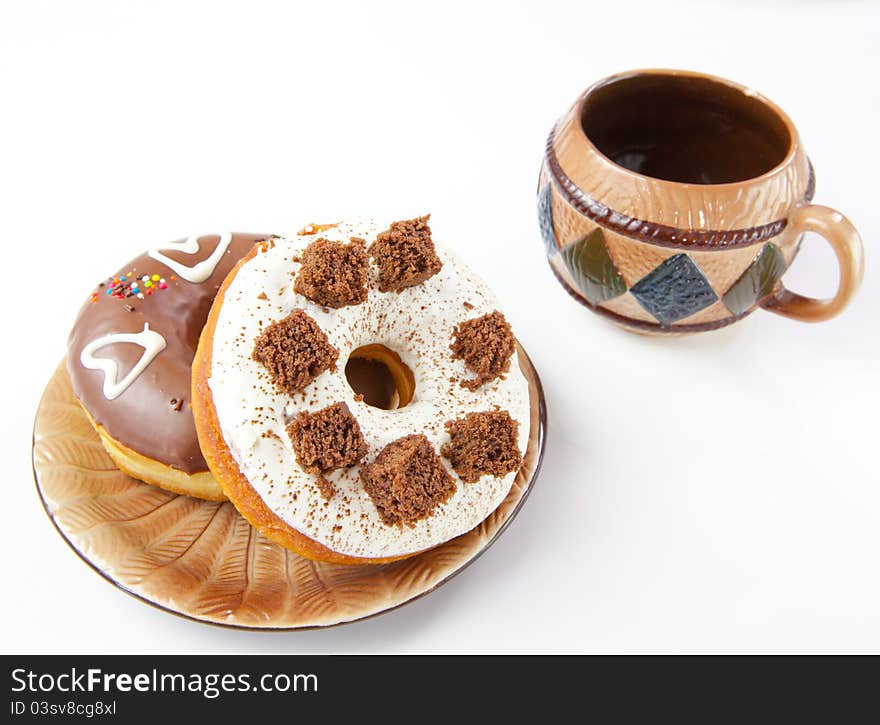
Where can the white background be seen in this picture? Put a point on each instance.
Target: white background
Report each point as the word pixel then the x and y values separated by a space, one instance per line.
pixel 714 493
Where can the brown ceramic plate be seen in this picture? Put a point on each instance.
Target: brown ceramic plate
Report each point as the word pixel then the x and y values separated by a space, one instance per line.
pixel 202 560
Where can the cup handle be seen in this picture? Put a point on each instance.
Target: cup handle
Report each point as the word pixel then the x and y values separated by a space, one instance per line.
pixel 839 232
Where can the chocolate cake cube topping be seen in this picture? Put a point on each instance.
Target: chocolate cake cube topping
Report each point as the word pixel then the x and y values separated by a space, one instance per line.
pixel 485 344
pixel 327 439
pixel 405 255
pixel 407 481
pixel 483 444
pixel 334 274
pixel 295 351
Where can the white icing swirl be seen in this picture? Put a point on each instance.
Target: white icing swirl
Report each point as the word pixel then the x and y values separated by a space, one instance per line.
pixel 152 342
pixel 417 324
pixel 198 273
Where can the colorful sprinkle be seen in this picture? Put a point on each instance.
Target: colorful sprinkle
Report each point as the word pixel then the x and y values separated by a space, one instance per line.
pixel 127 285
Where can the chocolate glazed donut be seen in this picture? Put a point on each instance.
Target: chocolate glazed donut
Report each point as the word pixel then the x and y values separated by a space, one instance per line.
pixel 130 354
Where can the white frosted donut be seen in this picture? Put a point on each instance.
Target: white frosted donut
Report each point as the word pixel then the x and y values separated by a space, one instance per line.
pixel 417 323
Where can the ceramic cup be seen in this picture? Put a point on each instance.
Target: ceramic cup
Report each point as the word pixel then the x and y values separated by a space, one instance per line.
pixel 673 202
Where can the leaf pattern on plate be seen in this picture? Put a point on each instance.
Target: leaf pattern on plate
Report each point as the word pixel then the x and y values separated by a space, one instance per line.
pixel 202 560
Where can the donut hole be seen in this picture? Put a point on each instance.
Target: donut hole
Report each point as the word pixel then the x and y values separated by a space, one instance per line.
pixel 380 376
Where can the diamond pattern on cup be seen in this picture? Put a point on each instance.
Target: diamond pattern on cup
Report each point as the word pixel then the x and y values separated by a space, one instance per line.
pixel 757 281
pixel 675 289
pixel 592 269
pixel 545 219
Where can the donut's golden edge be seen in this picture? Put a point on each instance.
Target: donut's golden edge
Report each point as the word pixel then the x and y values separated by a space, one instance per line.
pixel 199 485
